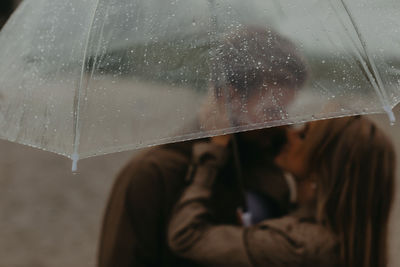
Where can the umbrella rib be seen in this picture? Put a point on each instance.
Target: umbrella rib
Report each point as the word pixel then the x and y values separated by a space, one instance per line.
pixel 360 53
pixel 370 68
pixel 237 162
pixel 98 47
pixel 77 96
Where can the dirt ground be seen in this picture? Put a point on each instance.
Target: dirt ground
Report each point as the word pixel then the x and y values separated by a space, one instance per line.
pixel 51 217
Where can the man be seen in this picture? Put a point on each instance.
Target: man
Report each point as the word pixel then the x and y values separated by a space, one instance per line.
pixel 258 73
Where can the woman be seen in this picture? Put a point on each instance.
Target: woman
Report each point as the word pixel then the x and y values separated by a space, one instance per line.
pixel 345 172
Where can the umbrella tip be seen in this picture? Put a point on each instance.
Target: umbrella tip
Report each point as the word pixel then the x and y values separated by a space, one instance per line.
pixel 75 158
pixel 390 114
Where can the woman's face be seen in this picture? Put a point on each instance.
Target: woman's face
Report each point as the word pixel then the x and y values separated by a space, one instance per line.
pixel 292 157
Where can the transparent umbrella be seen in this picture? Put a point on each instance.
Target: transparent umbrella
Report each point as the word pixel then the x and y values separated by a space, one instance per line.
pixel 87 77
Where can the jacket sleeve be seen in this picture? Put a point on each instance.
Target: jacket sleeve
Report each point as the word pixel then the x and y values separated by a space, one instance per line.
pixel 192 233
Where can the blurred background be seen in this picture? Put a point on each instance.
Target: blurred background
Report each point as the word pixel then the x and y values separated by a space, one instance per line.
pixel 51 217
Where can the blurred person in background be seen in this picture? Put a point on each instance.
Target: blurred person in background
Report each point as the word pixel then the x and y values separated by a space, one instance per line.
pixel 345 171
pixel 262 72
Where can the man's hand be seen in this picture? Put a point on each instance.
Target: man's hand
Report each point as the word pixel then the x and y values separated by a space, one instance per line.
pixel 222 140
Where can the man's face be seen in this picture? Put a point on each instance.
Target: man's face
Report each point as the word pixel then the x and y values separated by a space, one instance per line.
pixel 256 142
pixel 264 105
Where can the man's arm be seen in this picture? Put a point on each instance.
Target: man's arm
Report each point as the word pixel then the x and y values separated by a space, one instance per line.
pixel 191 233
pixel 194 235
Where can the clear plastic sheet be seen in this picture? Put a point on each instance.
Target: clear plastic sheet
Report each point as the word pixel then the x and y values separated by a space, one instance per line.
pixel 88 77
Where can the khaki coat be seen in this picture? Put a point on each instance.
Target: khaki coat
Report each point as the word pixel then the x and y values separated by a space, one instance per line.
pixel 134 231
pixel 293 240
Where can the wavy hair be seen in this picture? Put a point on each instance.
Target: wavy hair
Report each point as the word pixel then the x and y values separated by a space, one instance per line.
pixel 353 163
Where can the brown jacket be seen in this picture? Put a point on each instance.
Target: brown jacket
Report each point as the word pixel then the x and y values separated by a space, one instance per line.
pixel 293 240
pixel 134 231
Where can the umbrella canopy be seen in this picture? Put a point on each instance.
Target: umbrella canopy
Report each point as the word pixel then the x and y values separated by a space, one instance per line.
pixel 88 77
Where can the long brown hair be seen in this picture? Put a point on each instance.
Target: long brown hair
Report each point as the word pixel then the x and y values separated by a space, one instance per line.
pixel 353 163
